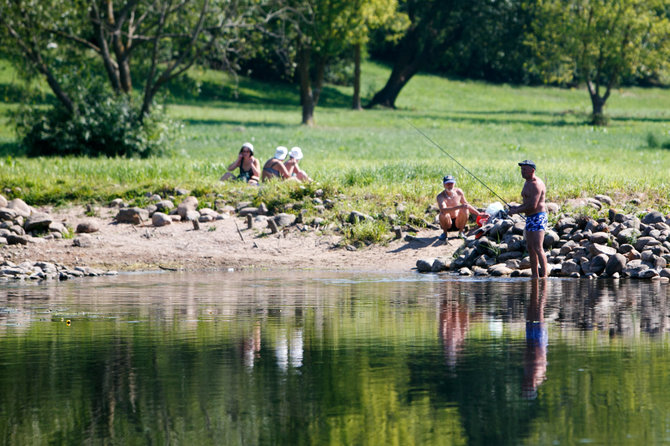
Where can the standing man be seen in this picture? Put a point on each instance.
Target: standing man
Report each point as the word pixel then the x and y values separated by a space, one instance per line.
pixel 454 208
pixel 533 206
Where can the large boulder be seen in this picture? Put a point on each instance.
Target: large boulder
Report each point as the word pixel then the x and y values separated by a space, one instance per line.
pixel 500 269
pixel 647 242
pixel 653 217
pixel 634 268
pixel 569 267
pixel 425 265
pixel 3 202
pixel 596 249
pixel 615 264
pixel 189 204
pixel 87 227
pixel 37 222
pixel 598 264
pixel 627 235
pixel 441 264
pixel 7 214
pixel 15 239
pixel 283 220
pixel 550 239
pixel 164 206
pixel 160 219
pixel 134 215
pixel 601 238
pixel 20 207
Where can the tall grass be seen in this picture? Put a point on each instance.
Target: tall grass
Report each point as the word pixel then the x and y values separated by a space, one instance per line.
pixel 376 153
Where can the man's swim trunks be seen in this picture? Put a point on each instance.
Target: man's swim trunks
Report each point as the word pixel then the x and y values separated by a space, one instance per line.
pixel 536 222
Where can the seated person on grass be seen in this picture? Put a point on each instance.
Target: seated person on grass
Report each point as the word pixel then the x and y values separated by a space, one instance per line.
pixel 295 155
pixel 274 167
pixel 454 208
pixel 250 167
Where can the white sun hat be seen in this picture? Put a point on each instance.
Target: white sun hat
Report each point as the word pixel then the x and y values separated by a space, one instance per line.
pixel 296 153
pixel 249 146
pixel 280 152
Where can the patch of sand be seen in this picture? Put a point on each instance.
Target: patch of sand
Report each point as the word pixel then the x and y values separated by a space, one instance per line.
pixel 219 245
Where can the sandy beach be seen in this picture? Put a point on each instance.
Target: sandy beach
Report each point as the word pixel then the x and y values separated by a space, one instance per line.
pixel 220 244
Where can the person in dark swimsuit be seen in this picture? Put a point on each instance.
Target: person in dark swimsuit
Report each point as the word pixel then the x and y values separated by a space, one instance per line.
pixel 274 167
pixel 250 167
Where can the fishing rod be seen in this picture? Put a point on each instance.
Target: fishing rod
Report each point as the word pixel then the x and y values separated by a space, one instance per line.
pixel 456 161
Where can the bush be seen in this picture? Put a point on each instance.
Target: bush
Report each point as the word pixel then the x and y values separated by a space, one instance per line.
pixel 103 124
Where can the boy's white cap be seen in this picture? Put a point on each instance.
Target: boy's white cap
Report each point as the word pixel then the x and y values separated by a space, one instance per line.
pixel 280 152
pixel 296 153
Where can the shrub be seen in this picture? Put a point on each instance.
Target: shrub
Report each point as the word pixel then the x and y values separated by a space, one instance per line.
pixel 367 232
pixel 103 124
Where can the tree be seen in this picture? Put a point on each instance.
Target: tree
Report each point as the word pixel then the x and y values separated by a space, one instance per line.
pixel 320 27
pixel 366 16
pixel 435 25
pixel 121 41
pixel 599 42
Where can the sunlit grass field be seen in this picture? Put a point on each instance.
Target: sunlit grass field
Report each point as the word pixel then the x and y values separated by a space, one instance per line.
pixel 375 155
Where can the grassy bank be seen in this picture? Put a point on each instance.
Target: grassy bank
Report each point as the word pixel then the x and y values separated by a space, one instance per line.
pixel 375 157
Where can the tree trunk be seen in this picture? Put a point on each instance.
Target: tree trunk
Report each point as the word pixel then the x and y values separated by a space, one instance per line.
pixel 306 94
pixel 356 103
pixel 598 106
pixel 407 64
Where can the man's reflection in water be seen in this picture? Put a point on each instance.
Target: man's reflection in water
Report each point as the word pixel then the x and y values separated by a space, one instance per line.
pixel 454 323
pixel 535 356
pixel 251 346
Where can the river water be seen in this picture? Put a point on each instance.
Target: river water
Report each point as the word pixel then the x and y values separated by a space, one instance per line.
pixel 333 358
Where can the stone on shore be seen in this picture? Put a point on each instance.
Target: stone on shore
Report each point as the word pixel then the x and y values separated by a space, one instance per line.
pixel 37 222
pixel 189 203
pixel 425 265
pixel 87 227
pixel 160 219
pixel 83 241
pixel 134 215
pixel 20 207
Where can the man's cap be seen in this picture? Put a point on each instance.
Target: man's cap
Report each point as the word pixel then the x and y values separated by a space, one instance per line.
pixel 528 163
pixel 281 152
pixel 249 146
pixel 448 179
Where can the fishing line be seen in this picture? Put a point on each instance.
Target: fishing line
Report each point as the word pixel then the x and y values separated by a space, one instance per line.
pixel 456 161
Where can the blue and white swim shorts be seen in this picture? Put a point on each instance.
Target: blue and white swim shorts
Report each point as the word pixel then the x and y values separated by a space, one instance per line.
pixel 536 222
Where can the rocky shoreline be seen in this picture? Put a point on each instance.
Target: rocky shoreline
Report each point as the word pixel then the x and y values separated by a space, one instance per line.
pixel 37 271
pixel 634 244
pixel 621 245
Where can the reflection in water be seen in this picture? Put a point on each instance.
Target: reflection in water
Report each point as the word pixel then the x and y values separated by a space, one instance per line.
pixel 289 351
pixel 454 321
pixel 535 355
pixel 331 358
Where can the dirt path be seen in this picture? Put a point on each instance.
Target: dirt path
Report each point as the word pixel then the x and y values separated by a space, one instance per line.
pixel 219 245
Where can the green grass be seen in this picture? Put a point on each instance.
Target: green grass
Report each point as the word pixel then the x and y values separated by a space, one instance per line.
pixel 374 157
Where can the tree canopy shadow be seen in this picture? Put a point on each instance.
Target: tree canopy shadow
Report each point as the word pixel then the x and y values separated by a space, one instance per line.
pixel 13 149
pixel 189 91
pixel 239 123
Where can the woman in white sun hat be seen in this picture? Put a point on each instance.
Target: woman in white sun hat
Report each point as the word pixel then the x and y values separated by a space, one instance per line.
pixel 250 167
pixel 274 167
pixel 295 155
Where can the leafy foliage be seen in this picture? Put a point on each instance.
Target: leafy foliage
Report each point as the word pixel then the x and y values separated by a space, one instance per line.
pixel 103 124
pixel 599 42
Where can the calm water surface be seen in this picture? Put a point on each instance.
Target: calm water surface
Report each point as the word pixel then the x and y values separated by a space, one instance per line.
pixel 332 358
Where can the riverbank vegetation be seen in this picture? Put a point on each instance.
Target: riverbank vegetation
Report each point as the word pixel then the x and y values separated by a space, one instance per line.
pixel 376 153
